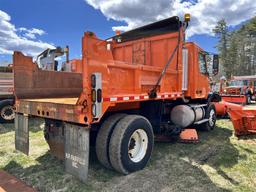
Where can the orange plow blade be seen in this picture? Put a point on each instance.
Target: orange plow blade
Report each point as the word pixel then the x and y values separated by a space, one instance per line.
pixel 244 120
pixel 223 107
pixel 243 117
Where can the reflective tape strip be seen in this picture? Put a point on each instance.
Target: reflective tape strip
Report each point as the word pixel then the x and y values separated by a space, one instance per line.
pixel 142 97
pixel 136 97
pixel 146 97
pixel 113 99
pixel 126 98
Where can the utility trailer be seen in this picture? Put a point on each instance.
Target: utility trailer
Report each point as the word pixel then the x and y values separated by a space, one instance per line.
pixel 136 85
pixel 7 113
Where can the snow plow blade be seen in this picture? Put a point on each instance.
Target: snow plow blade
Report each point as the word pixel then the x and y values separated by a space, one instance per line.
pixel 243 117
pixel 222 107
pixel 244 120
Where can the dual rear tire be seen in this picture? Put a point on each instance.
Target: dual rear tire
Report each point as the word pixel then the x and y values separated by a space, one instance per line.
pixel 125 143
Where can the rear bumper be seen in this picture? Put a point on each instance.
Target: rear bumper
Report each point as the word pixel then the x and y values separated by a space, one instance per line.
pixel 57 111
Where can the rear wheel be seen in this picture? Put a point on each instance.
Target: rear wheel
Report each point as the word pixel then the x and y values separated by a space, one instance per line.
pixel 7 113
pixel 211 115
pixel 103 139
pixel 131 144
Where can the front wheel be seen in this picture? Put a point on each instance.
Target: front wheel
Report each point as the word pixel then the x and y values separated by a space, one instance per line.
pixel 131 144
pixel 210 114
pixel 7 113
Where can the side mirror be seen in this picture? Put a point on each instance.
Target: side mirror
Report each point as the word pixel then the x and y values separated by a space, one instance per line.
pixel 215 64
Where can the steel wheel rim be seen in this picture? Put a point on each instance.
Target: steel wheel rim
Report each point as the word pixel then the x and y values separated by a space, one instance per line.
pixel 212 117
pixel 137 146
pixel 7 113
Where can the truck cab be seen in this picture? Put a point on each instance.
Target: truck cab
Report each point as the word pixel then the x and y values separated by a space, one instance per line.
pixel 201 66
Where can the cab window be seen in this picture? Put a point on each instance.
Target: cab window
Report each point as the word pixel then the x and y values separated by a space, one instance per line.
pixel 202 63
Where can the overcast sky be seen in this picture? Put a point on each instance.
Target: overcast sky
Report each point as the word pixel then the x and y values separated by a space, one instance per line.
pixel 32 26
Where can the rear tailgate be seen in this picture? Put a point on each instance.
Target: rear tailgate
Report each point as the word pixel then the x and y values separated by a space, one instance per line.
pixel 55 108
pixel 30 82
pixel 48 94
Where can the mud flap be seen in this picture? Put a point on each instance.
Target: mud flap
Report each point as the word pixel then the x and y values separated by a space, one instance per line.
pixel 76 151
pixel 21 133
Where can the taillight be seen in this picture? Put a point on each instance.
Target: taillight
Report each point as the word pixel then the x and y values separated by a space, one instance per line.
pixel 96 94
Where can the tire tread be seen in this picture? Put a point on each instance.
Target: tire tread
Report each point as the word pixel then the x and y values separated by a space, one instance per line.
pixel 115 153
pixel 103 138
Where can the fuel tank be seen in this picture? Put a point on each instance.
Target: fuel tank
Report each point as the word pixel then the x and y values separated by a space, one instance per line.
pixel 185 115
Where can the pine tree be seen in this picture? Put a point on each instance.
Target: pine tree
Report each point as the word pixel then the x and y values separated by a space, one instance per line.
pixel 237 49
pixel 221 31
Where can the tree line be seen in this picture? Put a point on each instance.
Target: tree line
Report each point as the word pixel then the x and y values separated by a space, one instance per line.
pixel 237 48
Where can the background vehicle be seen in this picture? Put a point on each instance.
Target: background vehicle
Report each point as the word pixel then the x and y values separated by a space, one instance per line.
pixel 133 86
pixel 241 89
pixel 7 113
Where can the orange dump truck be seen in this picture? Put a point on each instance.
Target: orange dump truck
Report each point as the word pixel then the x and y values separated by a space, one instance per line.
pixel 134 86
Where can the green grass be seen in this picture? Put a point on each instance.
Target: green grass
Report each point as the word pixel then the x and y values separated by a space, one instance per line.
pixel 219 162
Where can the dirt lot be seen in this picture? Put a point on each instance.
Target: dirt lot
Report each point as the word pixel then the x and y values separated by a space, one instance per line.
pixel 220 162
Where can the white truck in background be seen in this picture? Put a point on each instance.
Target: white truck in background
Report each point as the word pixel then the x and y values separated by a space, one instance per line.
pixel 7 113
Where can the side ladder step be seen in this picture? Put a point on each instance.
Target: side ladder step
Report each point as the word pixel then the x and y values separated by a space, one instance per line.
pixel 201 121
